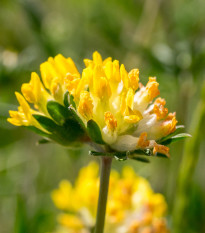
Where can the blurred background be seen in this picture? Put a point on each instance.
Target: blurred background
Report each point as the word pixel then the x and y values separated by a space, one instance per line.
pixel 161 38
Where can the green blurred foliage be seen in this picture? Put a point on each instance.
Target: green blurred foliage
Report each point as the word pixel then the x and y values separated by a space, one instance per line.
pixel 161 38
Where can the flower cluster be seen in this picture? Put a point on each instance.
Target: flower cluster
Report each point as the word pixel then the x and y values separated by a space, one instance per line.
pixel 132 205
pixel 105 105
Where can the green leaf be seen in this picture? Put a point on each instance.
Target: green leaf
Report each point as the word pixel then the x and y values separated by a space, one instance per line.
pixel 96 153
pixel 120 156
pixel 58 112
pixel 141 159
pixel 147 152
pixel 94 132
pixel 109 154
pixel 161 155
pixel 43 141
pixel 178 129
pixel 37 131
pixel 175 138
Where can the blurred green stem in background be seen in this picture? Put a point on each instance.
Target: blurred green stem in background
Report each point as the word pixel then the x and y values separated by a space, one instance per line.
pixel 35 19
pixel 103 193
pixel 188 165
pixel 147 22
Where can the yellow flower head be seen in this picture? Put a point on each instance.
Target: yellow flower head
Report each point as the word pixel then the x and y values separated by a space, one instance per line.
pixel 105 104
pixel 132 204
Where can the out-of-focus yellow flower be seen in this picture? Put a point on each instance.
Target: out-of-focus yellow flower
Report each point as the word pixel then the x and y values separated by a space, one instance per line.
pixel 105 95
pixel 132 205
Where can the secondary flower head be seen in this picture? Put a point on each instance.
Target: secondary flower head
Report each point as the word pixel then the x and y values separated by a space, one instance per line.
pixel 105 106
pixel 132 205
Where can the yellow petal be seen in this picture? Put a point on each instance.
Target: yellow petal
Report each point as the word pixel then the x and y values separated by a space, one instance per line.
pixel 124 76
pixel 152 88
pixel 143 142
pixel 110 121
pixel 61 64
pixel 71 83
pixel 32 90
pixel 116 71
pixel 48 73
pixel 132 119
pixel 25 106
pixel 130 98
pixel 108 59
pixel 133 79
pixel 97 59
pixel 169 125
pixel 56 89
pixel 17 118
pixel 108 68
pixel 159 108
pixel 72 67
pixel 88 62
pixel 28 93
pixel 161 149
pixel 101 86
pixel 85 107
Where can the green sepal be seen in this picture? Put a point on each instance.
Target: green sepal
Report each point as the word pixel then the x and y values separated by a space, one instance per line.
pixel 69 100
pixel 175 138
pixel 67 117
pixel 76 117
pixel 65 99
pixel 58 112
pixel 47 123
pixel 72 102
pixel 94 132
pixel 72 130
pixel 43 141
pixel 66 134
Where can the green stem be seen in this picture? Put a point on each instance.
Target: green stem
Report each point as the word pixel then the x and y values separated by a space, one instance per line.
pixel 187 168
pixel 103 193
